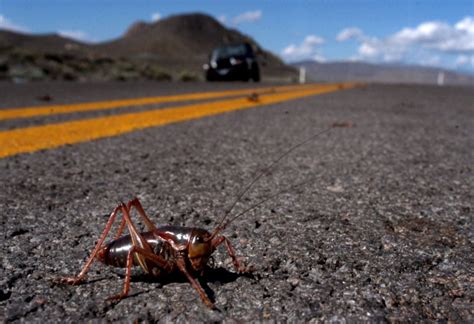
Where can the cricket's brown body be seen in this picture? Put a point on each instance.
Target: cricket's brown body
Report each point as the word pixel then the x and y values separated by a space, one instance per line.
pixel 166 249
pixel 115 252
pixel 159 251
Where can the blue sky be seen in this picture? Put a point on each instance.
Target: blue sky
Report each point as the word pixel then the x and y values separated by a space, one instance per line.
pixel 436 33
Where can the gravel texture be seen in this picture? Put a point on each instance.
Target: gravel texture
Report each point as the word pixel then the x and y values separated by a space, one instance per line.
pixel 384 232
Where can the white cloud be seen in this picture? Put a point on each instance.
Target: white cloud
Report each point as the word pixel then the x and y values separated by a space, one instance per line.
pixel 439 35
pixel 5 23
pixel 76 35
pixel 222 19
pixel 427 32
pixel 433 60
pixel 368 50
pixel 466 24
pixel 463 60
pixel 155 16
pixel 422 44
pixel 319 58
pixel 246 17
pixel 308 49
pixel 349 33
pixel 312 40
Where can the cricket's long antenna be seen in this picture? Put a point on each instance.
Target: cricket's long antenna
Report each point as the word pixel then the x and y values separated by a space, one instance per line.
pixel 265 200
pixel 221 225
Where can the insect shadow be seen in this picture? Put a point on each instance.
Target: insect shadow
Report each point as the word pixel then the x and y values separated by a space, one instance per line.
pixel 217 276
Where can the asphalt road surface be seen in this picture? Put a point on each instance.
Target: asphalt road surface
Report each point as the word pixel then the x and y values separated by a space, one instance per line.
pixel 383 231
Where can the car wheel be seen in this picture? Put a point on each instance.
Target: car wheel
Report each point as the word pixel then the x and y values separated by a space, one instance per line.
pixel 255 75
pixel 209 77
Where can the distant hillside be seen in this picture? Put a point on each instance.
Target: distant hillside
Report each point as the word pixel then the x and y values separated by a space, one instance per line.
pixel 358 71
pixel 41 44
pixel 186 41
pixel 167 48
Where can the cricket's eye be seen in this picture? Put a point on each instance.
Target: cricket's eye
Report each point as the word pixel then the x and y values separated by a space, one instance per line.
pixel 198 239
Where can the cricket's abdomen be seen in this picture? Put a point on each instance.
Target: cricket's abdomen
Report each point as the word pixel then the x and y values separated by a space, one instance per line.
pixel 115 253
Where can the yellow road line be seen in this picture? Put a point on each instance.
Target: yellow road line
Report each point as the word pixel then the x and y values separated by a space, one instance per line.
pixel 36 138
pixel 25 112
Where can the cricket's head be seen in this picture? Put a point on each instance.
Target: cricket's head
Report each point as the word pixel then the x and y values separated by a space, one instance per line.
pixel 200 248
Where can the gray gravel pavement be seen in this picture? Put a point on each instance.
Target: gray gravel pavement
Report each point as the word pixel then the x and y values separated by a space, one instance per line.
pixel 55 92
pixel 383 233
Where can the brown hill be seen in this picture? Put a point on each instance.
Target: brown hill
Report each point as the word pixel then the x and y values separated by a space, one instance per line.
pixel 178 44
pixel 185 36
pixel 185 41
pixel 40 44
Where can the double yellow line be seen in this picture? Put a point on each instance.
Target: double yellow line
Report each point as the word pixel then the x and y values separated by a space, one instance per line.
pixel 25 112
pixel 31 139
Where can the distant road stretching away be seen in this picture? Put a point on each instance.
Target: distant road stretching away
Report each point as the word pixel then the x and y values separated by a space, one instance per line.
pixel 46 136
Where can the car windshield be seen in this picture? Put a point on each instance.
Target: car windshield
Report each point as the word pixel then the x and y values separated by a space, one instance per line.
pixel 229 51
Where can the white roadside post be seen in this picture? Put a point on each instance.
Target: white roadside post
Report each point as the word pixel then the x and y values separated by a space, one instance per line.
pixel 302 75
pixel 441 78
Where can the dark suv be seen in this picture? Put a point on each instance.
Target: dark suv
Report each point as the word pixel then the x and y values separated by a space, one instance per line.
pixel 232 62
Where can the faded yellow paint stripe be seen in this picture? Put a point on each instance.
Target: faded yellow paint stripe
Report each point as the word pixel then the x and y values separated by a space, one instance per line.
pixel 49 136
pixel 25 112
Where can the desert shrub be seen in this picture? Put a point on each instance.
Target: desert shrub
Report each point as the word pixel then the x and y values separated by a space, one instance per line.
pixel 187 76
pixel 154 72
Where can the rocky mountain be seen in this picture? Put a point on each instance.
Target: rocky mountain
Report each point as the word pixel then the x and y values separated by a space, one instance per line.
pixel 171 47
pixel 47 43
pixel 382 73
pixel 185 41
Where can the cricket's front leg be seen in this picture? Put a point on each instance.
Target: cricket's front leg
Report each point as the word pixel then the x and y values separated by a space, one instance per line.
pixel 230 250
pixel 182 267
